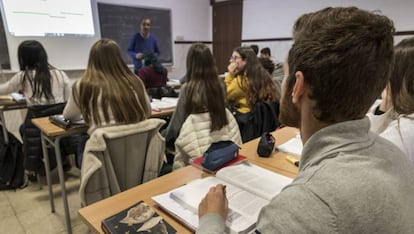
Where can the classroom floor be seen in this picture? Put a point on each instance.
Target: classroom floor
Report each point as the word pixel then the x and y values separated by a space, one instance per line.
pixel 27 210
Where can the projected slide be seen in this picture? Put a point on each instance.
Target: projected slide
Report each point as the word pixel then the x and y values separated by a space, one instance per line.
pixel 49 17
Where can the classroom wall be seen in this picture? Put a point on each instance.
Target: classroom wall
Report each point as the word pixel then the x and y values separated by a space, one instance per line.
pixel 274 19
pixel 191 21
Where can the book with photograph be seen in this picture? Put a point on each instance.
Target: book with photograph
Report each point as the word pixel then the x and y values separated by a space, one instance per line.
pixel 139 218
pixel 248 189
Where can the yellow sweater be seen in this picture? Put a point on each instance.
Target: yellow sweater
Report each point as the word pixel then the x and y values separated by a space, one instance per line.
pixel 235 94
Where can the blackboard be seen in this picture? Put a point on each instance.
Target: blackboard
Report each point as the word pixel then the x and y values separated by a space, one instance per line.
pixel 4 51
pixel 121 22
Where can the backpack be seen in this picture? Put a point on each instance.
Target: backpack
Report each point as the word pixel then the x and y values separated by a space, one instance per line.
pixel 11 163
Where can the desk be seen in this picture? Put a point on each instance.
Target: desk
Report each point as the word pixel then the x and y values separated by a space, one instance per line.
pixel 51 134
pixel 277 161
pixel 163 113
pixel 93 214
pixel 7 105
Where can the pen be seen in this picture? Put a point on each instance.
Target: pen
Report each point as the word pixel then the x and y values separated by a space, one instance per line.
pixel 293 160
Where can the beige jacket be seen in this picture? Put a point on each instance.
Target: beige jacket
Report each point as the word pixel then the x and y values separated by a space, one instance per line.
pixel 195 137
pixel 102 177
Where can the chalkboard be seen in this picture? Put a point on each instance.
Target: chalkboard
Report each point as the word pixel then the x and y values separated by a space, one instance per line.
pixel 121 22
pixel 4 51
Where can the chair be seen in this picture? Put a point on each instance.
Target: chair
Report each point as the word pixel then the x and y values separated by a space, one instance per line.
pixel 120 157
pixel 32 146
pixel 263 118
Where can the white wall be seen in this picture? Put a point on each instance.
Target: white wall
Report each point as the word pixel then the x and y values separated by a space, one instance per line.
pixel 274 19
pixel 191 20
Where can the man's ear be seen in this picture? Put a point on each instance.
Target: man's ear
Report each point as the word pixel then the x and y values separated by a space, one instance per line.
pixel 298 88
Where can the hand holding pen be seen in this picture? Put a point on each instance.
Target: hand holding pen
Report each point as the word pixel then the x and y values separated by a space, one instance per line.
pixel 214 202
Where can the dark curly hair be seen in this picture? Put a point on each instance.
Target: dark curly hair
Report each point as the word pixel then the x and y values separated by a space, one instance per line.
pixel 345 55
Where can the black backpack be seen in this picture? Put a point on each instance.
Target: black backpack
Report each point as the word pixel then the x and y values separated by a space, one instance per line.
pixel 11 163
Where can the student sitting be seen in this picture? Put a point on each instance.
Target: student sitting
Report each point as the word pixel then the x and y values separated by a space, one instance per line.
pixel 153 74
pixel 46 90
pixel 201 117
pixel 393 119
pixel 349 180
pixel 249 85
pixel 108 92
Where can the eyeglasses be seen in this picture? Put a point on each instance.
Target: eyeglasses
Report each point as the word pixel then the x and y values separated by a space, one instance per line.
pixel 234 57
pixel 145 24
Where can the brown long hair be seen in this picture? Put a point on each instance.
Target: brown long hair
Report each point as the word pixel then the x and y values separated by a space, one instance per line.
pixel 108 81
pixel 259 85
pixel 204 89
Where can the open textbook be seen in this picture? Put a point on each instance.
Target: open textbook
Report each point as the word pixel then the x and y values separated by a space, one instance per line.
pixel 293 146
pixel 248 189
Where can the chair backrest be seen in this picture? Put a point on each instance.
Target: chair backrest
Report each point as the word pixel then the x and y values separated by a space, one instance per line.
pixel 128 156
pixel 120 157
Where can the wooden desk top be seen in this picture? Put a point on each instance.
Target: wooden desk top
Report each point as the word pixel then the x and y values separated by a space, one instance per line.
pixel 52 130
pixel 155 114
pixel 11 104
pixel 277 161
pixel 93 214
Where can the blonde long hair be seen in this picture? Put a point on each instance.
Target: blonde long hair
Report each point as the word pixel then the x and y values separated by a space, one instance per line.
pixel 108 84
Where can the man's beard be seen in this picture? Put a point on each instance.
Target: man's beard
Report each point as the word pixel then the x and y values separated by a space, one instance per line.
pixel 289 114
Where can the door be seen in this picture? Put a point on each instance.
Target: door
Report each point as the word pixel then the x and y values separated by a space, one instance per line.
pixel 227 31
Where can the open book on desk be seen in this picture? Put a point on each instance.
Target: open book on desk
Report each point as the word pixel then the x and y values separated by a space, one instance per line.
pixel 248 189
pixel 165 103
pixel 293 146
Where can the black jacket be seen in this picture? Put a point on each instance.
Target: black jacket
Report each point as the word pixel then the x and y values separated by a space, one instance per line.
pixel 32 146
pixel 262 118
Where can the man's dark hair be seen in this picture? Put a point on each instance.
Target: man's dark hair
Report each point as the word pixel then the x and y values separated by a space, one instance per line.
pixel 345 55
pixel 267 64
pixel 265 50
pixel 255 48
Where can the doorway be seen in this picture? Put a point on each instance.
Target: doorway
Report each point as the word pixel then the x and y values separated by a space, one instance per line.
pixel 227 31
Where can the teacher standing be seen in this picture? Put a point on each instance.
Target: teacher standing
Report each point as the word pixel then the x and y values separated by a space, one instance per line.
pixel 142 42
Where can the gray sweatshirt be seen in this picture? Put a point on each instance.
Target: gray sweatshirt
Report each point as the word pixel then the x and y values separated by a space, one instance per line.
pixel 350 181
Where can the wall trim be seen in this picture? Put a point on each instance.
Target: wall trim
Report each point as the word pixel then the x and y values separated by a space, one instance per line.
pixel 404 33
pixel 192 42
pixel 399 33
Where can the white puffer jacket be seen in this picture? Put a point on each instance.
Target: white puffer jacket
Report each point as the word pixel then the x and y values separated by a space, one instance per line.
pixel 195 137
